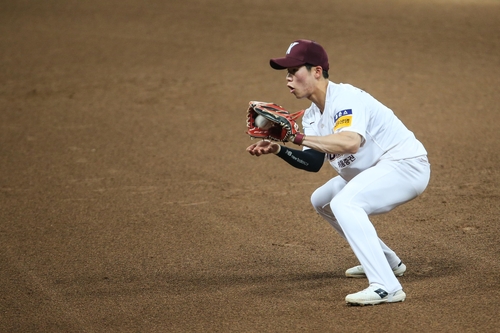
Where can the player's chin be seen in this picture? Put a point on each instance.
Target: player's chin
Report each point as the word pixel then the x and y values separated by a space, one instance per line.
pixel 298 95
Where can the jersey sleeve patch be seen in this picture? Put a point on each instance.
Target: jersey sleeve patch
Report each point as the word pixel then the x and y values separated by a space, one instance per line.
pixel 342 119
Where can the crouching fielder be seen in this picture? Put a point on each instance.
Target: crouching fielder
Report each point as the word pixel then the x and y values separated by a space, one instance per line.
pixel 380 164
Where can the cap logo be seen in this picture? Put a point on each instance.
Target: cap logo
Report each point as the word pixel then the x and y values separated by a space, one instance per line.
pixel 290 47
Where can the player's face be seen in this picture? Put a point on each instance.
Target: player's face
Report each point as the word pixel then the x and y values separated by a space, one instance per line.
pixel 300 81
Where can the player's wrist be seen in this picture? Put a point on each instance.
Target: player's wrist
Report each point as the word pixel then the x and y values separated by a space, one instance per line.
pixel 298 138
pixel 277 150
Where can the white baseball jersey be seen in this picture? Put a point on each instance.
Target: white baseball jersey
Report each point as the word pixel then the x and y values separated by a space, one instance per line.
pixel 384 136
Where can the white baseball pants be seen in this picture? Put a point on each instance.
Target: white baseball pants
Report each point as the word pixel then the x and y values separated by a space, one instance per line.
pixel 379 189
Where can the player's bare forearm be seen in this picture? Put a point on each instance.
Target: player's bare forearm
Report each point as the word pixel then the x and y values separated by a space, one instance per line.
pixel 339 143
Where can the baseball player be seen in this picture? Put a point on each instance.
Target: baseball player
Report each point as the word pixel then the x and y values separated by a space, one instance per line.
pixel 379 162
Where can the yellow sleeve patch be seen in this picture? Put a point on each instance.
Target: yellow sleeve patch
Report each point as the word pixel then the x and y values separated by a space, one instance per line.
pixel 343 119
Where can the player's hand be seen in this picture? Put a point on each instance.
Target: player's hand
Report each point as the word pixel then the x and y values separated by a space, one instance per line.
pixel 263 147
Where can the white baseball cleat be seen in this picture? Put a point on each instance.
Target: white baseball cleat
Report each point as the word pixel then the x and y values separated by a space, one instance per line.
pixel 375 295
pixel 359 272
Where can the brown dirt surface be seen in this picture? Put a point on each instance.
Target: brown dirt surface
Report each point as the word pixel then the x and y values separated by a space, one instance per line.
pixel 128 202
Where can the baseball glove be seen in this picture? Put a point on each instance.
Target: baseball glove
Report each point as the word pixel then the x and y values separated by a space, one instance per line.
pixel 283 127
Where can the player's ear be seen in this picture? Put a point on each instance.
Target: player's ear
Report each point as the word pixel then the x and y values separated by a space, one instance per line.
pixel 317 71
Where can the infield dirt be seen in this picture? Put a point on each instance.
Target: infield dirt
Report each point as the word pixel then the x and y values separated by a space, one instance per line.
pixel 128 206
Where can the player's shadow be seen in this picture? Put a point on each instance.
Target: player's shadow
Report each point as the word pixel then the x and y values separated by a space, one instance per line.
pixel 269 280
pixel 269 284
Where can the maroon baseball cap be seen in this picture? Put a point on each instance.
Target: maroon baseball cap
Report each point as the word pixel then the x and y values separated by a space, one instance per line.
pixel 301 52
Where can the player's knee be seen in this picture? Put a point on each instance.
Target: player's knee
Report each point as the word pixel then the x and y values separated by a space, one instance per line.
pixel 318 200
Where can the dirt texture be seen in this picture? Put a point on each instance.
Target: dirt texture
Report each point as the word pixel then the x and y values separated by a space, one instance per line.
pixel 129 204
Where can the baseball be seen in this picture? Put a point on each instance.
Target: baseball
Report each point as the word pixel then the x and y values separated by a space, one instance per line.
pixel 262 123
